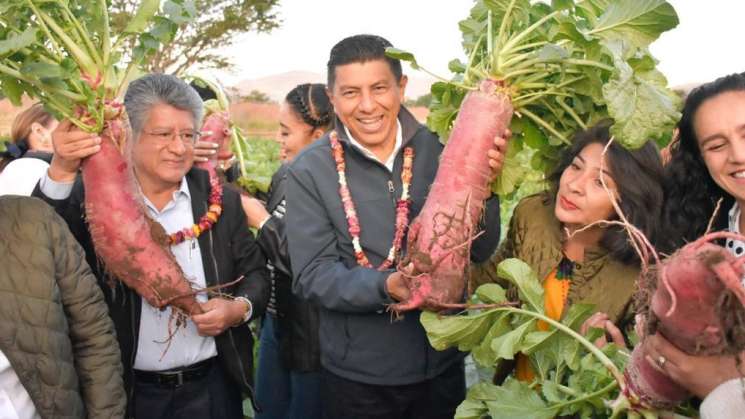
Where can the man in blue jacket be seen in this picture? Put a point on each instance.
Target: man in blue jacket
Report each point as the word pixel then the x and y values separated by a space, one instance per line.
pixel 372 367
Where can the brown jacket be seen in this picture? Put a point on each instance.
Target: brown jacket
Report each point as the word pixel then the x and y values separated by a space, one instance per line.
pixel 54 324
pixel 535 237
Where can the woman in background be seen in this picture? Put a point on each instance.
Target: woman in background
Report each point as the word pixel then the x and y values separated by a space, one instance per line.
pixel 288 379
pixel 26 157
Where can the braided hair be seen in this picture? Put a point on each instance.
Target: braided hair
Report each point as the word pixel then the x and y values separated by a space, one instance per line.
pixel 312 105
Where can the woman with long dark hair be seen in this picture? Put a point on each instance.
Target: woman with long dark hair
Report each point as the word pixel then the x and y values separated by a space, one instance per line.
pixel 559 234
pixel 706 171
pixel 287 384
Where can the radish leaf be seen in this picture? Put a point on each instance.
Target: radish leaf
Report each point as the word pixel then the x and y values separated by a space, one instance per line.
pixel 526 281
pixel 637 21
pixel 17 41
pixel 141 19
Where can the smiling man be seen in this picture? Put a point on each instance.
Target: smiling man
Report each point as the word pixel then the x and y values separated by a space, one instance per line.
pixel 202 368
pixel 345 194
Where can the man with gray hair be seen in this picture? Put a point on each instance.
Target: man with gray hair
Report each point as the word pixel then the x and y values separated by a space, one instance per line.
pixel 200 370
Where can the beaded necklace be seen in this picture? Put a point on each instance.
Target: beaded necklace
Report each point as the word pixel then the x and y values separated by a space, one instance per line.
pixel 402 205
pixel 208 219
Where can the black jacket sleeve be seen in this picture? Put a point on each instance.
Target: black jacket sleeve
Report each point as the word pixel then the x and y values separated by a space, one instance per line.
pixel 485 245
pixel 70 209
pixel 273 242
pixel 248 259
pixel 271 237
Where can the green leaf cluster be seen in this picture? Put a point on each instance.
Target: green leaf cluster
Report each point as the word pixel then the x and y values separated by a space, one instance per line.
pixel 573 377
pixel 67 55
pixel 566 66
pixel 260 159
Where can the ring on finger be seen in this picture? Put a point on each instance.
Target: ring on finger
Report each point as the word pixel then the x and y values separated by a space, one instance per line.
pixel 661 360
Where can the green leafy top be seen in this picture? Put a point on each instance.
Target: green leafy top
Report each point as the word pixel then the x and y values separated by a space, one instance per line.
pixel 572 376
pixel 566 66
pixel 68 57
pixel 222 103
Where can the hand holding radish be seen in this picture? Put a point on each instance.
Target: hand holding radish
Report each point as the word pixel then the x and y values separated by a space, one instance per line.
pixel 396 287
pixel 602 321
pixel 699 374
pixel 496 154
pixel 219 314
pixel 204 150
pixel 255 211
pixel 71 146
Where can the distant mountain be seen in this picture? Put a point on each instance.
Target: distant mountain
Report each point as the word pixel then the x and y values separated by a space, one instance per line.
pixel 276 86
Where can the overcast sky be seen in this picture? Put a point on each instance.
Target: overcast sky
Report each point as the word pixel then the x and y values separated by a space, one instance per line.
pixel 706 44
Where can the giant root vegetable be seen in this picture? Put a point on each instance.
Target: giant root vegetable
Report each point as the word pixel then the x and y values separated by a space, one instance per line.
pixel 697 302
pixel 216 130
pixel 133 247
pixel 439 237
pixel 216 127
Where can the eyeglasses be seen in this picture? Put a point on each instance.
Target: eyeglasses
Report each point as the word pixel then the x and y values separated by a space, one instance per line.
pixel 187 137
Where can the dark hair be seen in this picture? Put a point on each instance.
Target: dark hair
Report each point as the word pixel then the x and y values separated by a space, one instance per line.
pixel 311 103
pixel 360 49
pixel 691 194
pixel 204 92
pixel 638 178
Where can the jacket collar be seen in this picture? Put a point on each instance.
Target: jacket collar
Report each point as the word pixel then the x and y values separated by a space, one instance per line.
pixel 198 181
pixel 199 186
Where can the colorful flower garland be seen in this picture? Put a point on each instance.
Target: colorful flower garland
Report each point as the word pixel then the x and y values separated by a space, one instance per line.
pixel 402 205
pixel 205 223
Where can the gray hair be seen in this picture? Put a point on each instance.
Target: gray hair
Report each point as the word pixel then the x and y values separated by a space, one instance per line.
pixel 153 89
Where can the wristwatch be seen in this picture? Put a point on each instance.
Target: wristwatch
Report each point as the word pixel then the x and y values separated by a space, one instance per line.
pixel 249 309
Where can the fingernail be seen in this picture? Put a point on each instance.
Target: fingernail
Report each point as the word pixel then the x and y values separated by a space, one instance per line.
pixel 213 151
pixel 98 140
pixel 215 145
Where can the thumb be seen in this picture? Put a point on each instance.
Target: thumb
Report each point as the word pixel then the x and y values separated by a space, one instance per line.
pixel 65 125
pixel 209 305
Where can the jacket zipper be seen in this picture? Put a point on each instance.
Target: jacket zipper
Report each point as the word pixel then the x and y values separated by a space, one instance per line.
pixel 230 329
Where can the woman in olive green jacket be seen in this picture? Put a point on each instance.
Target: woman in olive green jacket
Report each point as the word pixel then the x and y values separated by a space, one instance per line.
pixel 596 265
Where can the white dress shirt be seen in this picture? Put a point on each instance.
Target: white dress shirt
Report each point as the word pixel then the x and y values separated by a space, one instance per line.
pixel 187 346
pixel 15 402
pixel 391 158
